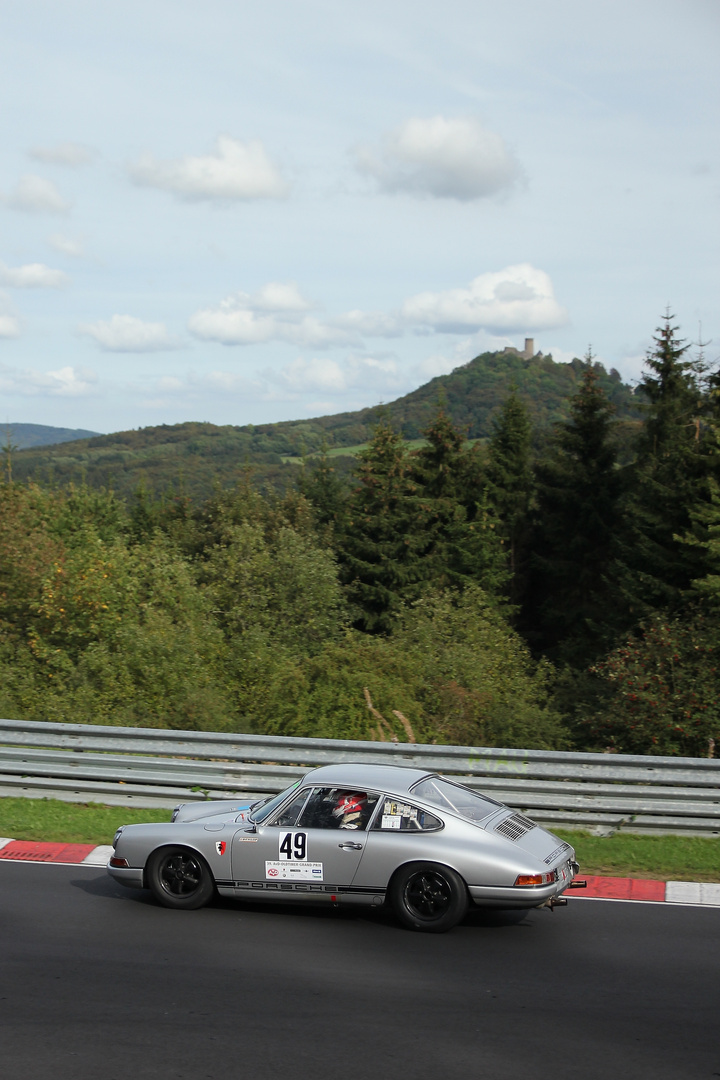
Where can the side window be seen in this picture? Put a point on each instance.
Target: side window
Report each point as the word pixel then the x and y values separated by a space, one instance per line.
pixel 290 814
pixel 402 816
pixel 335 808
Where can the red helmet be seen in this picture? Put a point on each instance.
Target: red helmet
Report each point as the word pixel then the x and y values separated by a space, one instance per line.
pixel 351 802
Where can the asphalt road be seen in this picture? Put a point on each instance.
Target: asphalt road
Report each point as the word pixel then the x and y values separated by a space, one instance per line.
pixel 97 983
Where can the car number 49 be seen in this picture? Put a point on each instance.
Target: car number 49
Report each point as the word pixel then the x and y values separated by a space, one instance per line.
pixel 293 845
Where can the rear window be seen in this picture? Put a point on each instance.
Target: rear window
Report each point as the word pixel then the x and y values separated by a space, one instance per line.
pixel 458 800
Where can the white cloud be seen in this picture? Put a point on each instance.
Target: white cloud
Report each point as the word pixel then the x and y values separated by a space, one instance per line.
pixel 325 376
pixel 516 299
pixel 66 245
pixel 65 382
pixel 124 333
pixel 35 195
pixel 32 276
pixel 274 313
pixel 446 158
pixel 9 326
pixel 63 153
pixel 237 170
pixel 9 322
pixel 371 323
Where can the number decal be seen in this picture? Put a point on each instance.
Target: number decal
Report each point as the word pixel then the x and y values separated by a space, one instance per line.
pixel 293 846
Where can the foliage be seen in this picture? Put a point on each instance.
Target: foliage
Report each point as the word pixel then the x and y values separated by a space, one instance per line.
pixel 666 688
pixel 511 484
pixel 385 538
pixel 452 667
pixel 190 459
pixel 577 518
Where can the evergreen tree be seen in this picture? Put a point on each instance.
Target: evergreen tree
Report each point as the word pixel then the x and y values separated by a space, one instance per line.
pixel 510 485
pixel 571 599
pixel 386 535
pixel 464 540
pixel 325 490
pixel 668 481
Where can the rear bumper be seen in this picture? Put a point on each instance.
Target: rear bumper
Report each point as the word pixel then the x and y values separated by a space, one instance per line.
pixel 523 896
pixel 132 877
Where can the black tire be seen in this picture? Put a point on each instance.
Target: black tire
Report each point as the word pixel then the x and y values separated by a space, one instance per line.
pixel 429 897
pixel 180 878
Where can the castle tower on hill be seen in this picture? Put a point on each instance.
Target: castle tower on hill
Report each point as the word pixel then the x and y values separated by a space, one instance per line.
pixel 527 353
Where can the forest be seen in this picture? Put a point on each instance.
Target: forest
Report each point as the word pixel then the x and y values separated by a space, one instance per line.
pixel 555 585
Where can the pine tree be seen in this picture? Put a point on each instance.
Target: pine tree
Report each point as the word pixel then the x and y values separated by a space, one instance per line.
pixel 465 543
pixel 668 481
pixel 510 485
pixel 325 490
pixel 571 596
pixel 386 535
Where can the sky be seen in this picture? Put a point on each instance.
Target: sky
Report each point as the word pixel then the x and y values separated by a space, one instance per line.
pixel 244 213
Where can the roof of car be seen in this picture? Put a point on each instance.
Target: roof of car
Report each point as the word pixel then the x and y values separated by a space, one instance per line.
pixel 394 779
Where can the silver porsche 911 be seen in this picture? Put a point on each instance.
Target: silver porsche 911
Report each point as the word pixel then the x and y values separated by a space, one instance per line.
pixel 361 834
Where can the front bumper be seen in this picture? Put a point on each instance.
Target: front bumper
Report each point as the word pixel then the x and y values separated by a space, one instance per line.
pixel 130 876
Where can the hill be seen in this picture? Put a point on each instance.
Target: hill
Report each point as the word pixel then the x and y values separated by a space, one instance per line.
pixel 24 435
pixel 192 457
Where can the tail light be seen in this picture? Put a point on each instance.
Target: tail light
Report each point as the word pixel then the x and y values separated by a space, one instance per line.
pixel 535 879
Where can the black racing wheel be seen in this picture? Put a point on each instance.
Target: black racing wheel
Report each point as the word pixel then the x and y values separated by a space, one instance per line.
pixel 180 878
pixel 427 896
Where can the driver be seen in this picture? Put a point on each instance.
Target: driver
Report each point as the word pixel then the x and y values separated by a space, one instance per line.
pixel 349 810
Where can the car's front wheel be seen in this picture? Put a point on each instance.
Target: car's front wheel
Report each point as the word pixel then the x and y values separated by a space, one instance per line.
pixel 180 878
pixel 427 896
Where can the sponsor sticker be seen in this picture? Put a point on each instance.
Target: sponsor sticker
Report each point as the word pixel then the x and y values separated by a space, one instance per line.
pixel 294 871
pixel 246 839
pixel 220 846
pixel 391 821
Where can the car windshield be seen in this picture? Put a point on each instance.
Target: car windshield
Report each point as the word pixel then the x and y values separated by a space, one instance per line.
pixel 259 813
pixel 453 797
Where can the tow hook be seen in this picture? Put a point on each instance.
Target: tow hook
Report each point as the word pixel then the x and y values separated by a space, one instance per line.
pixel 577 885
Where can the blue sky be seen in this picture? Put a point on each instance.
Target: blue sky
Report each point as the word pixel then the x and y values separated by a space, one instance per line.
pixel 245 213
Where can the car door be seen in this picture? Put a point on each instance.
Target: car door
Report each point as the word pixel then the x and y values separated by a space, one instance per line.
pixel 401 832
pixel 307 846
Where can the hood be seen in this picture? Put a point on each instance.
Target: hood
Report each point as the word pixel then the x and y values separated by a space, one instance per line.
pixel 219 808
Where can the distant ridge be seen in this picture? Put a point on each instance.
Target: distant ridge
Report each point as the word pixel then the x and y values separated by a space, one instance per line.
pixel 25 435
pixel 192 458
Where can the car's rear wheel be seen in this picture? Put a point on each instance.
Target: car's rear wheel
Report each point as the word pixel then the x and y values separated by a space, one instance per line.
pixel 427 896
pixel 180 878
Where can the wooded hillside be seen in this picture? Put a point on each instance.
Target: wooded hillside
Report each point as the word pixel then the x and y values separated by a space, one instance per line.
pixel 191 458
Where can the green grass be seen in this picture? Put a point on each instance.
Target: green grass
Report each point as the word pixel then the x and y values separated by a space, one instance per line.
pixel 72 823
pixel 674 858
pixel 678 858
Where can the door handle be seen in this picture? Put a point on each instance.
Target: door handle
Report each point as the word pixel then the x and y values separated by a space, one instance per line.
pixel 349 846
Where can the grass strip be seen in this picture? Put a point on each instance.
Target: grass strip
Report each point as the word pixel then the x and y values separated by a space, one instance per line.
pixel 675 858
pixel 665 858
pixel 71 823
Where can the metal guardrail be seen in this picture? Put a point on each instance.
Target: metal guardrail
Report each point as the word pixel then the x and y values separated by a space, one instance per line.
pixel 156 767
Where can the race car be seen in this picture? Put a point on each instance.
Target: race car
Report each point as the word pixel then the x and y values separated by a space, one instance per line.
pixel 421 843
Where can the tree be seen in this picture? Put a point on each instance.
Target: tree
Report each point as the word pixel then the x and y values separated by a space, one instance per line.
pixel 665 682
pixel 385 538
pixel 579 487
pixel 667 483
pixel 464 539
pixel 510 483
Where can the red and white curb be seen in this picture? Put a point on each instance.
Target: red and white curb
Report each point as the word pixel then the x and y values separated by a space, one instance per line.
pixel 704 893
pixel 67 854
